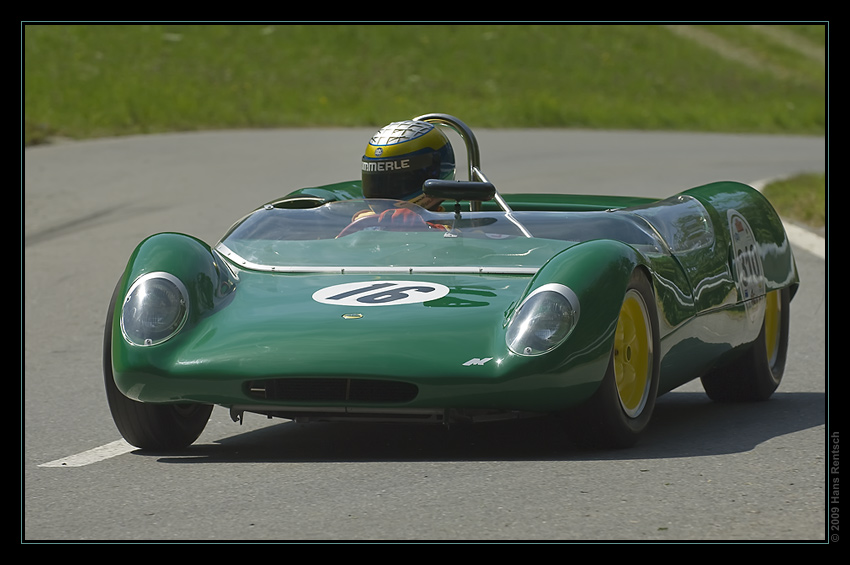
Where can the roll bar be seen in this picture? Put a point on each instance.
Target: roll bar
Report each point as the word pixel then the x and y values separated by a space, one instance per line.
pixel 472 152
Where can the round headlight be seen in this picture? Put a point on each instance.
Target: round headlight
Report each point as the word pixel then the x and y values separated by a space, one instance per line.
pixel 155 309
pixel 543 321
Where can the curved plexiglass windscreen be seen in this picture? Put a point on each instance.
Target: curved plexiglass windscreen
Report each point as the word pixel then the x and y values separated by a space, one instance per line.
pixel 280 235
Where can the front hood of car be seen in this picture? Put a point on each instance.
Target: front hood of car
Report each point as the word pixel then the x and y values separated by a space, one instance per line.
pixel 369 325
pixel 402 309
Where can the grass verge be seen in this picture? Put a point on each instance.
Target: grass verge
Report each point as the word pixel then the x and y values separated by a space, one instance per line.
pixel 801 199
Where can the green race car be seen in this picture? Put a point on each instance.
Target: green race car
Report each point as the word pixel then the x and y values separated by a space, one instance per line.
pixel 495 306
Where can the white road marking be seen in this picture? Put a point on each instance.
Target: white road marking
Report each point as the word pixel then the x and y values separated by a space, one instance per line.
pixel 807 240
pixel 95 455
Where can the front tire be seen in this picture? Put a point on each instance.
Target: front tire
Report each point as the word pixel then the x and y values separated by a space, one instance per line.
pixel 757 373
pixel 620 410
pixel 162 427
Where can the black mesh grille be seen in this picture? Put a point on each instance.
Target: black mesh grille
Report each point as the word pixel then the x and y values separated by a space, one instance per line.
pixel 332 390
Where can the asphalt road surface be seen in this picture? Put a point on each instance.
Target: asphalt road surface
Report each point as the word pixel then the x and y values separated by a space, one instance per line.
pixel 704 471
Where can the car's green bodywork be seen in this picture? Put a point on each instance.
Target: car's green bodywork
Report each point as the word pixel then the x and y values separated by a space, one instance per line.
pixel 254 327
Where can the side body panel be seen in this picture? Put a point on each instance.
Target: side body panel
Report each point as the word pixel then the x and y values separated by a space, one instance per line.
pixel 749 256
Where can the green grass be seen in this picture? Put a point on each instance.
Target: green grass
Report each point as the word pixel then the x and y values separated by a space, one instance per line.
pixel 800 198
pixel 90 80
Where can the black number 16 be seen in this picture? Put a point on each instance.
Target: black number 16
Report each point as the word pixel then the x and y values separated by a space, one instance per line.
pixel 375 295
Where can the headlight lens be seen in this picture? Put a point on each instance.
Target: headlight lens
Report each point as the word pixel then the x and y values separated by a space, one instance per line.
pixel 543 321
pixel 155 309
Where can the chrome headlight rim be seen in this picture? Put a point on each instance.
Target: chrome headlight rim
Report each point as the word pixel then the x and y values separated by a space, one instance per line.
pixel 182 309
pixel 516 338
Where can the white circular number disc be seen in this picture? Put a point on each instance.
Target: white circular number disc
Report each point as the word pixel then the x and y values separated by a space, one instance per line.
pixel 380 293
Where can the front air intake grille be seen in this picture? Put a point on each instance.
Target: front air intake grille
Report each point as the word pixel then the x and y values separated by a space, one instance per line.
pixel 332 390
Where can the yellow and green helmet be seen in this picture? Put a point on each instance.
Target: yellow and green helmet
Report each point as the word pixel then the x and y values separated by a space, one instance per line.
pixel 401 156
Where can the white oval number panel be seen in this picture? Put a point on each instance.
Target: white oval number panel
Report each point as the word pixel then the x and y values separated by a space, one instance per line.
pixel 380 293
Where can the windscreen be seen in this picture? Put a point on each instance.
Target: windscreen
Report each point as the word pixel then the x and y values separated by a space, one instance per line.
pixel 357 231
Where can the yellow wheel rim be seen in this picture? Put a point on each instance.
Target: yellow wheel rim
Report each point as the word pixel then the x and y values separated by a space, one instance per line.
pixel 633 354
pixel 772 324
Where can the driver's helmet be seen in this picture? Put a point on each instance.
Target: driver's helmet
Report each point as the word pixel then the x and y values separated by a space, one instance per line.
pixel 400 157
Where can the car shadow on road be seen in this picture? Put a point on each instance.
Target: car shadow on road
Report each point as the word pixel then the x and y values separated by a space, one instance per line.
pixel 685 424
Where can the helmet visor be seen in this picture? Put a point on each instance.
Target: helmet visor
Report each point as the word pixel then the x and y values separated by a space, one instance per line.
pixel 400 178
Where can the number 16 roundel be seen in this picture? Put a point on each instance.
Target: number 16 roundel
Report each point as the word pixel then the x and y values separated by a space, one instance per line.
pixel 380 293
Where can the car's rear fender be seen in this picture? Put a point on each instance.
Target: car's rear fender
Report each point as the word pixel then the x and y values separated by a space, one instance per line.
pixel 740 212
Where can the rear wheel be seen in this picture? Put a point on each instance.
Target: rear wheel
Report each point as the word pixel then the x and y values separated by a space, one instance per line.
pixel 757 373
pixel 149 426
pixel 620 410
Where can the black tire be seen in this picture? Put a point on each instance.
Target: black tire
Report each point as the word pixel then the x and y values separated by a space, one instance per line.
pixel 622 407
pixel 756 374
pixel 159 427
